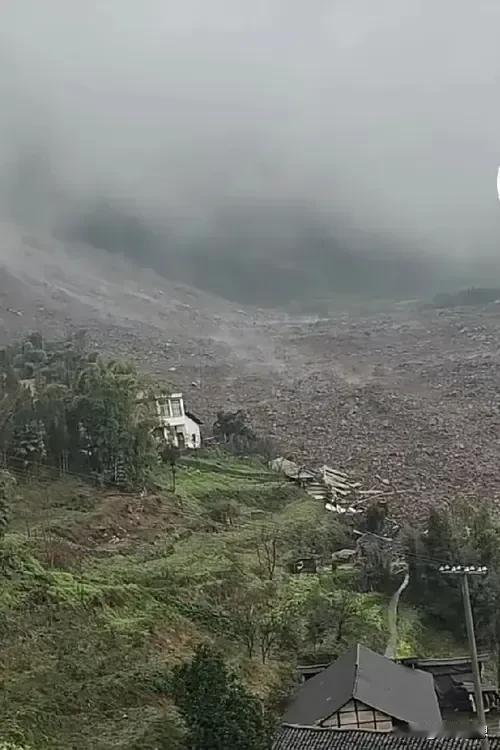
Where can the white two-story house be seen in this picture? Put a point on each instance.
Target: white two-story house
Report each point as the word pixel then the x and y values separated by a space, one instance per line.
pixel 179 426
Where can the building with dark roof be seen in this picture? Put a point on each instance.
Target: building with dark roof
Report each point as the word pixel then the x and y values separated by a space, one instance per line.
pixel 454 682
pixel 291 737
pixel 364 690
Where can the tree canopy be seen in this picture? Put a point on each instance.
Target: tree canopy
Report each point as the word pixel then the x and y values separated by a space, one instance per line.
pixel 220 714
pixel 65 407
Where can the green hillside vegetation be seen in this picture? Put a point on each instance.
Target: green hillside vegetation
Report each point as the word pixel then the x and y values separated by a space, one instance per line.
pixel 110 584
pixel 104 592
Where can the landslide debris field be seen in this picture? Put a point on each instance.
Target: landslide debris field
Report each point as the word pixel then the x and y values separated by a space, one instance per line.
pixel 408 396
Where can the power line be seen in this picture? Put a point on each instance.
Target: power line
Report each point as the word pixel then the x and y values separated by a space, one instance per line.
pixel 415 555
pixel 423 558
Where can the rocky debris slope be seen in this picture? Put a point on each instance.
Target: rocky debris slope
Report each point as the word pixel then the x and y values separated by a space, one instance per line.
pixel 408 398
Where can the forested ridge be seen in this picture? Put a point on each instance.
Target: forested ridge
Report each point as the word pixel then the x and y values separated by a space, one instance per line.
pixel 135 616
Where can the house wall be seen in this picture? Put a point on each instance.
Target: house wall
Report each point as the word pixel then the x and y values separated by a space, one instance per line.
pixel 186 432
pixel 193 434
pixel 172 421
pixel 357 715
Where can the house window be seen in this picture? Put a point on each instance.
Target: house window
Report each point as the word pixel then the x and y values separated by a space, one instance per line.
pixel 176 408
pixel 162 406
pixel 193 439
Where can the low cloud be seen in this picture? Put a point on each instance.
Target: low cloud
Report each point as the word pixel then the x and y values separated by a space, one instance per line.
pixel 255 129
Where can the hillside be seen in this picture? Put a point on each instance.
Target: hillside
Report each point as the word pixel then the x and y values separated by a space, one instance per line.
pixel 121 557
pixel 104 591
pixel 403 392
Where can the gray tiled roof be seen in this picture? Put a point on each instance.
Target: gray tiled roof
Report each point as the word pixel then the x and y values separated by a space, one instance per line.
pixel 291 737
pixel 403 693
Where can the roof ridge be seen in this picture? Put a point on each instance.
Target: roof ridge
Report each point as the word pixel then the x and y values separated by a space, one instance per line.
pixel 332 730
pixel 356 671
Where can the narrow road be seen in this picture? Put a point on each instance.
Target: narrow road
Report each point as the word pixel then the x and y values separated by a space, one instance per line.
pixel 392 618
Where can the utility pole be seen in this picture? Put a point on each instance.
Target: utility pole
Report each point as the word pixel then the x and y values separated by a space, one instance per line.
pixel 464 572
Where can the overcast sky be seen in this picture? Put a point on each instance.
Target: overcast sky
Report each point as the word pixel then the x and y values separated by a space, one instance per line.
pixel 387 111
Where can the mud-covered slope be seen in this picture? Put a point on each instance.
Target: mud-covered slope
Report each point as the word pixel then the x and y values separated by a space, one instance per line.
pixel 169 328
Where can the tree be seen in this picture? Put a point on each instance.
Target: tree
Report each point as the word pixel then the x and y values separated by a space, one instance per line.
pixel 16 406
pixel 30 360
pixel 376 557
pixel 266 545
pixel 376 515
pixel 28 444
pixel 441 594
pixel 170 454
pixel 7 487
pixel 469 534
pixel 337 618
pixel 51 407
pixel 234 429
pixel 78 412
pixel 219 713
pixel 308 530
pixel 116 438
pixel 267 616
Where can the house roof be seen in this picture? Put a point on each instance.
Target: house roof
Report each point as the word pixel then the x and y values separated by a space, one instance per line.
pixel 403 693
pixel 314 669
pixel 193 417
pixel 291 737
pixel 450 661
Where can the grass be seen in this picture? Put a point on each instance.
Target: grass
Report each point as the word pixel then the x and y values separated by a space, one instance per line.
pixel 199 478
pixel 103 593
pixel 419 637
pixel 95 603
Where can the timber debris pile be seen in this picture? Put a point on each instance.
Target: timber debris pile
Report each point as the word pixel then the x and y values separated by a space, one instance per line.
pixel 335 488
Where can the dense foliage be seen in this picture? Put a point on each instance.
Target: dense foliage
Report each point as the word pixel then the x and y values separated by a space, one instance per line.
pixel 105 593
pixel 219 712
pixel 234 430
pixel 466 535
pixel 64 407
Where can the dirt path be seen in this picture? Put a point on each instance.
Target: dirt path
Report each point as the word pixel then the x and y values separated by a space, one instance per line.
pixel 392 619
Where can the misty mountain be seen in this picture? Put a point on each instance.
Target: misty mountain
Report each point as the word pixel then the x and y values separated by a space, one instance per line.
pixel 261 256
pixel 271 152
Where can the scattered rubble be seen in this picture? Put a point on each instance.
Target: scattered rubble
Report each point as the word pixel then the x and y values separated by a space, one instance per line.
pixel 412 411
pixel 339 493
